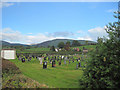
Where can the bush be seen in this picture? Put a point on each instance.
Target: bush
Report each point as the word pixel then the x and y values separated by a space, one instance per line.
pixel 103 70
pixel 9 67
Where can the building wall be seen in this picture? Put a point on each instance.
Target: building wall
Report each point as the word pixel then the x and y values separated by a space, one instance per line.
pixel 8 54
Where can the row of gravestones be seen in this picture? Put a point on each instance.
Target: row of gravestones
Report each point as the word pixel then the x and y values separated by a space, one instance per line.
pixel 53 61
pixel 49 56
pixel 54 64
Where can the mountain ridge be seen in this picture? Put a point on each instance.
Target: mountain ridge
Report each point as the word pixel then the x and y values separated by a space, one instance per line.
pixel 53 42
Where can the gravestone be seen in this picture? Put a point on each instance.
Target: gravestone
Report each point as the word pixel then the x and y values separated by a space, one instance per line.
pixel 50 61
pixel 53 63
pixel 73 60
pixel 48 58
pixel 55 57
pixel 45 58
pixel 64 61
pixel 23 59
pixel 76 66
pixel 20 58
pixel 81 58
pixel 28 59
pixel 40 59
pixel 77 60
pixel 17 56
pixel 33 56
pixel 69 61
pixel 44 65
pixel 79 65
pixel 59 62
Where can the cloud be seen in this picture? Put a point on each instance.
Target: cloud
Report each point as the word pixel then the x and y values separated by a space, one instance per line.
pixel 93 34
pixel 15 36
pixel 84 38
pixel 10 35
pixel 5 4
pixel 97 32
pixel 61 34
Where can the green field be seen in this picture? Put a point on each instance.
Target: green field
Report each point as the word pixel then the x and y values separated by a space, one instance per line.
pixel 86 46
pixel 47 50
pixel 64 76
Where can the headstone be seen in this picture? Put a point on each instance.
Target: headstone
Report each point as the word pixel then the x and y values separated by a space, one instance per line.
pixel 33 56
pixel 50 61
pixel 73 60
pixel 55 57
pixel 64 61
pixel 23 59
pixel 36 57
pixel 76 66
pixel 59 62
pixel 19 58
pixel 45 58
pixel 69 61
pixel 68 57
pixel 48 58
pixel 53 63
pixel 79 64
pixel 81 58
pixel 28 59
pixel 77 60
pixel 40 59
pixel 62 57
pixel 44 65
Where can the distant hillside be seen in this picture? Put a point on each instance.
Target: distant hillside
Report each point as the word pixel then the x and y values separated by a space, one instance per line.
pixel 46 43
pixel 56 41
pixel 4 43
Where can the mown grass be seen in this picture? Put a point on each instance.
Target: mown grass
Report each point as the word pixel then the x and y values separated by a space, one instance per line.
pixel 64 76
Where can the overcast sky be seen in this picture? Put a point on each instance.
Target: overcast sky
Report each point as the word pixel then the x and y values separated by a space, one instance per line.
pixel 35 22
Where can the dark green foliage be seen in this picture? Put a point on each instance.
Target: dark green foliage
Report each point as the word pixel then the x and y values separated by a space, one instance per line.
pixel 75 43
pixel 68 43
pixel 67 46
pixel 55 42
pixel 10 67
pixel 103 70
pixel 52 48
pixel 61 45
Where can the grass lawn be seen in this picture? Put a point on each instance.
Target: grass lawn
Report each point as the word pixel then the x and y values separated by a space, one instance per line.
pixel 64 76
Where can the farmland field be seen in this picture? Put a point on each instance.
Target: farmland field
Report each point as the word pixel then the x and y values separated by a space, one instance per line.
pixel 43 49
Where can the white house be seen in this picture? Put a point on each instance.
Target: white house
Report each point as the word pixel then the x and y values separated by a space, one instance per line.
pixel 8 53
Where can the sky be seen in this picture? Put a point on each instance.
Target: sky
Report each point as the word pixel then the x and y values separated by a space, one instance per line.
pixel 36 22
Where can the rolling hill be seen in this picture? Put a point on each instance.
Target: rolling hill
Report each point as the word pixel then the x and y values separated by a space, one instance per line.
pixel 56 41
pixel 5 43
pixel 46 43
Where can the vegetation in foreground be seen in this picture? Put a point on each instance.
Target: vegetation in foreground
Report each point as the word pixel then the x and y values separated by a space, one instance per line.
pixel 13 78
pixel 103 70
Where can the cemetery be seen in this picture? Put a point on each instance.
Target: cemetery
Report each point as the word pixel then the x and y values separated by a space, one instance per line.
pixel 60 45
pixel 54 70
